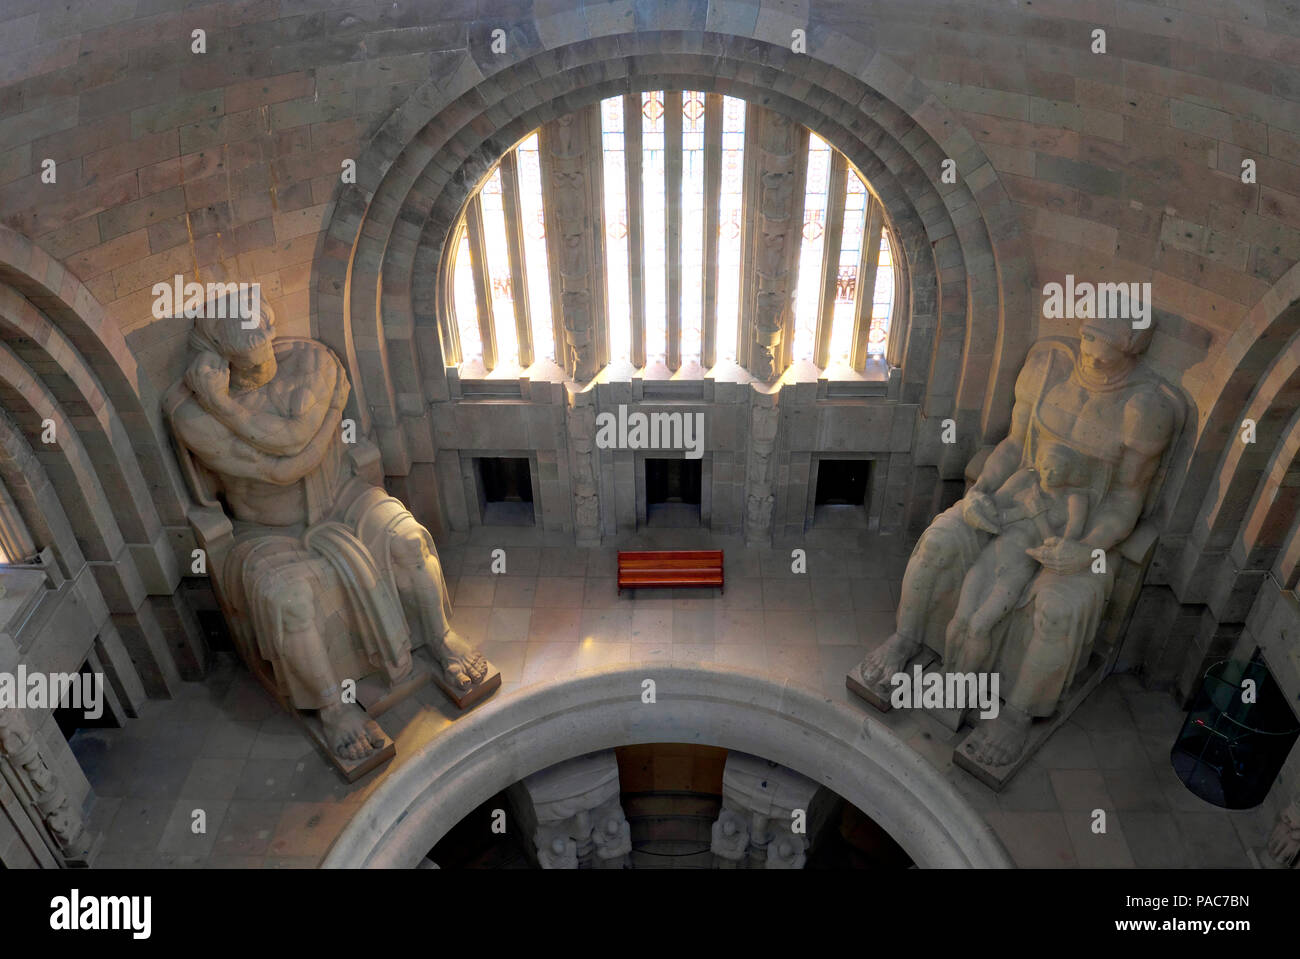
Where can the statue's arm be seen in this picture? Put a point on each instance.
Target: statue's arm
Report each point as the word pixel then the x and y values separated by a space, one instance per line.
pixel 1006 456
pixel 226 454
pixel 1076 509
pixel 271 432
pixel 1148 428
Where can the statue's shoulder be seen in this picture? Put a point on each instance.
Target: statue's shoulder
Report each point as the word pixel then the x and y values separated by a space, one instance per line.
pixel 1045 355
pixel 1153 413
pixel 178 404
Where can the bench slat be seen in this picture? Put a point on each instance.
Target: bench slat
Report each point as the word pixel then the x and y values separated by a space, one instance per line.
pixel 670 568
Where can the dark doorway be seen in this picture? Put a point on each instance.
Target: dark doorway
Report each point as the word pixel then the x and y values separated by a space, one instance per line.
pixel 673 492
pixel 506 485
pixel 841 495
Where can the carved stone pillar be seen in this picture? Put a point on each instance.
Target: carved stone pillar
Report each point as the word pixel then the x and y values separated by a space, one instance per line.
pixel 573 815
pixel 567 144
pixel 776 239
pixel 765 416
pixel 770 815
pixel 581 423
pixel 37 789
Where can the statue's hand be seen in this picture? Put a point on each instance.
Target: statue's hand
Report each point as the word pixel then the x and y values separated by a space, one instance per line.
pixel 1062 556
pixel 209 378
pixel 980 512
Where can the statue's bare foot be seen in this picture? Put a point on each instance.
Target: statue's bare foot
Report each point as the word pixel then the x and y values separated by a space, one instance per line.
pixel 888 658
pixel 999 741
pixel 462 665
pixel 352 733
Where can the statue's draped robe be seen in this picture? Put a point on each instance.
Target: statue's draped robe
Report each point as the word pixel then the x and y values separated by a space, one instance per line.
pixel 342 553
pixel 1055 648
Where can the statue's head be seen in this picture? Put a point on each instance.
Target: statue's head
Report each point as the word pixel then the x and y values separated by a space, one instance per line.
pixel 250 352
pixel 1059 466
pixel 1110 345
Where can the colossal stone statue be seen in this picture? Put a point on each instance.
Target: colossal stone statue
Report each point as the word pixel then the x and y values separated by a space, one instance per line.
pixel 1114 420
pixel 328 578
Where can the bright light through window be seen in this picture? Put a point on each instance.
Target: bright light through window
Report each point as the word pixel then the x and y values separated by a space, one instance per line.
pixel 808 293
pixel 846 277
pixel 466 303
pixel 731 221
pixel 617 266
pixel 498 262
pixel 535 266
pixel 654 226
pixel 825 293
pixel 692 267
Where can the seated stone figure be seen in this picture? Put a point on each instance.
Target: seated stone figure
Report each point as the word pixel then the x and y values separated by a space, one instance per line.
pixel 1099 400
pixel 328 578
pixel 1035 507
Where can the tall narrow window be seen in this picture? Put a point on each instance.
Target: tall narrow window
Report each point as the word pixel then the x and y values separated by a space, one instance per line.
pixel 882 307
pixel 535 265
pixel 846 277
pixel 808 294
pixel 617 294
pixel 466 302
pixel 730 225
pixel 692 265
pixel 654 226
pixel 498 264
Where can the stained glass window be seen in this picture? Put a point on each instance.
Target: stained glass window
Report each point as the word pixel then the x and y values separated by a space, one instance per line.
pixel 692 265
pixel 813 236
pixel 654 223
pixel 535 265
pixel 498 264
pixel 465 302
pixel 617 287
pixel 731 201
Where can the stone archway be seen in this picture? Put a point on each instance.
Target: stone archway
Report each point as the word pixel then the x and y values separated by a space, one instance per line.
pixel 511 737
pixel 375 289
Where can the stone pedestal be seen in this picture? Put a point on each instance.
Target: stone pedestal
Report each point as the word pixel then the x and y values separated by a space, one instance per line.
pixel 573 816
pixel 770 815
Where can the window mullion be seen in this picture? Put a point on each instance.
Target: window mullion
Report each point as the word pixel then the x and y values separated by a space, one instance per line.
pixel 595 177
pixel 867 282
pixel 635 236
pixel 712 201
pixel 752 193
pixel 482 281
pixel 546 163
pixel 830 258
pixel 673 195
pixel 515 249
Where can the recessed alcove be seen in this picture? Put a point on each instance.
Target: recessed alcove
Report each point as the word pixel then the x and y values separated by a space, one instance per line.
pixel 671 795
pixel 505 488
pixel 841 492
pixel 673 492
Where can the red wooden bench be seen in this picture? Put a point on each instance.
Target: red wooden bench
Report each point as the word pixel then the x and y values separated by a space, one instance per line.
pixel 686 567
